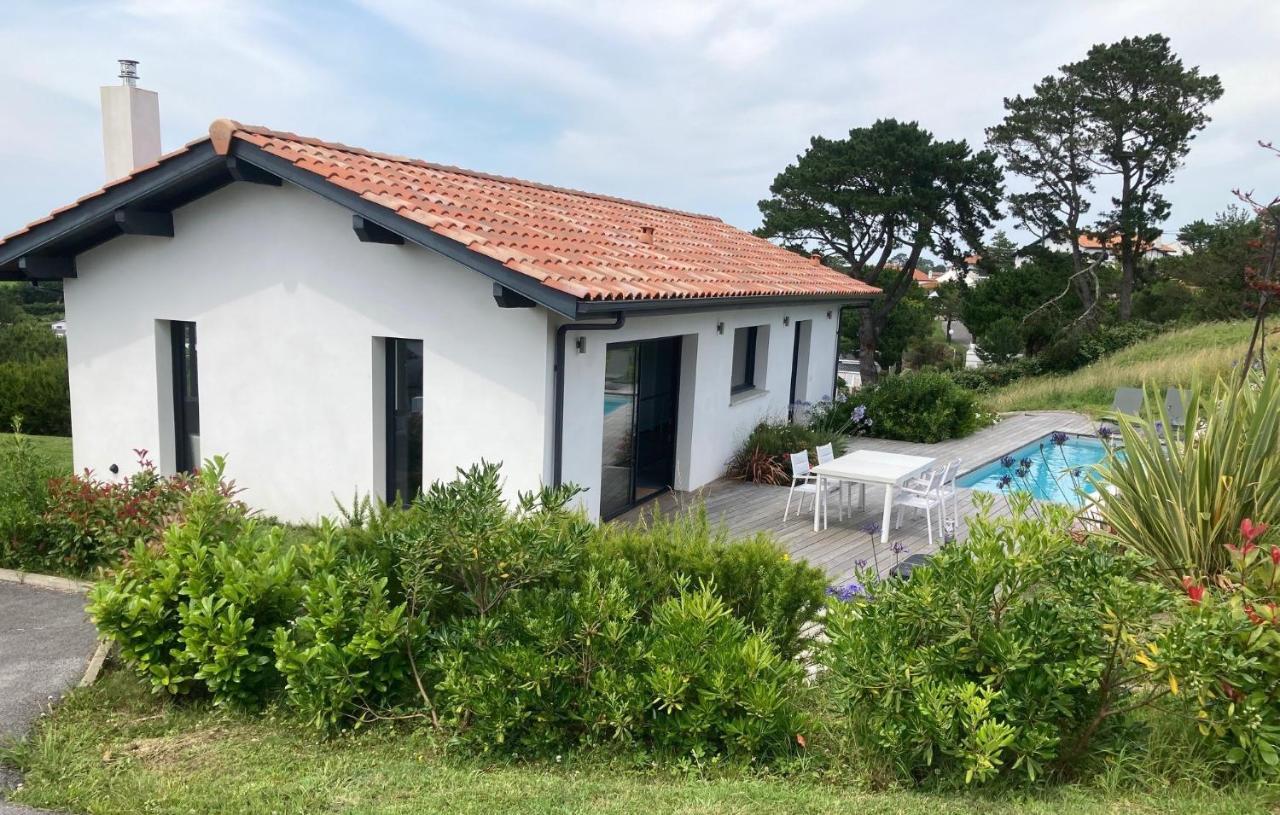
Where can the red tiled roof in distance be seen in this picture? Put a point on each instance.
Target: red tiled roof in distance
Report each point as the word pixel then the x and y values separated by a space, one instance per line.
pixel 594 247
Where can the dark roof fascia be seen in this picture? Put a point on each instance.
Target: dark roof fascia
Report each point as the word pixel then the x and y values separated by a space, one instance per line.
pixel 66 232
pixel 560 302
pixel 677 305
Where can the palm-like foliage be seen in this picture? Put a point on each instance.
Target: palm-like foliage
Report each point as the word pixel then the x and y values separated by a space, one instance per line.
pixel 1179 497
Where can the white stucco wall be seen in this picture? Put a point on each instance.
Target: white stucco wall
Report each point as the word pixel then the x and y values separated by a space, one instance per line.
pixel 711 423
pixel 287 303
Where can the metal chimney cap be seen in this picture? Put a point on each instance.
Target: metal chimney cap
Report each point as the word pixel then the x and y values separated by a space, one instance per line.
pixel 129 72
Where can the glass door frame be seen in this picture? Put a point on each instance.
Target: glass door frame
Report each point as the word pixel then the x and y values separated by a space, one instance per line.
pixel 633 432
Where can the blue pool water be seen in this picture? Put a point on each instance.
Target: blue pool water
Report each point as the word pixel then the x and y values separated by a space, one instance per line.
pixel 1048 472
pixel 612 402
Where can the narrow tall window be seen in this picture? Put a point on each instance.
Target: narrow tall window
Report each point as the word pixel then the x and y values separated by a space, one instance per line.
pixel 404 419
pixel 186 395
pixel 744 359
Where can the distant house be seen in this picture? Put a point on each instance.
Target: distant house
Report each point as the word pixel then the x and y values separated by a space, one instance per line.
pixel 1094 248
pixel 342 321
pixel 59 327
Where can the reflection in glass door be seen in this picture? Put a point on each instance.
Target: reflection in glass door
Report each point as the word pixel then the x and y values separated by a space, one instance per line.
pixel 186 395
pixel 641 396
pixel 404 419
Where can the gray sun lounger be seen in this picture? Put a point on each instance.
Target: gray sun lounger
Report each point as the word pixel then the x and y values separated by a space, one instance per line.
pixel 1128 401
pixel 1175 406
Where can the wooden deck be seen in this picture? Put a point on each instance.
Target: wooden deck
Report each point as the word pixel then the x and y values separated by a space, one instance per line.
pixel 746 508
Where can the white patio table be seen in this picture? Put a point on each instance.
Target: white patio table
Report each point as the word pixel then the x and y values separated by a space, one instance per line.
pixel 865 467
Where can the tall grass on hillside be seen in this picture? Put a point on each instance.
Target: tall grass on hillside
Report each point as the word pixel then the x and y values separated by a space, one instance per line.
pixel 1198 354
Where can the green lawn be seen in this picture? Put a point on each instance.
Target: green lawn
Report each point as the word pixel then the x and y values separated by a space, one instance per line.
pixel 1197 354
pixel 55 448
pixel 116 748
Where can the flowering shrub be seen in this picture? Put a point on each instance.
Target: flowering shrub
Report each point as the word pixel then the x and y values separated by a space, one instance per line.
pixel 90 522
pixel 1222 655
pixel 1011 654
pixel 843 416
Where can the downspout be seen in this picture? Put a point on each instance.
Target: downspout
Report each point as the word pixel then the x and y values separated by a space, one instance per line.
pixel 619 319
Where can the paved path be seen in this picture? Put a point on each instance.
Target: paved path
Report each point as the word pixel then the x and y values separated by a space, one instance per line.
pixel 45 643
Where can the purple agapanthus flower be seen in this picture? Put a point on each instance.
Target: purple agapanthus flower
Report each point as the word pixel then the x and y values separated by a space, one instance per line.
pixel 860 563
pixel 1006 461
pixel 899 548
pixel 1026 463
pixel 846 592
pixel 1058 438
pixel 1004 481
pixel 1105 432
pixel 859 413
pixel 871 527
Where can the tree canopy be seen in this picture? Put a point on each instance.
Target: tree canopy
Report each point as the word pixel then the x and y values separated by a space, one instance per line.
pixel 888 188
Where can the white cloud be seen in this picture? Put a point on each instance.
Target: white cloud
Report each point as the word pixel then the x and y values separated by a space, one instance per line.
pixel 692 104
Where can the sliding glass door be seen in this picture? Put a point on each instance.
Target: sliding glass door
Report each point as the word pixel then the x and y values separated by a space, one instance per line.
pixel 404 419
pixel 641 399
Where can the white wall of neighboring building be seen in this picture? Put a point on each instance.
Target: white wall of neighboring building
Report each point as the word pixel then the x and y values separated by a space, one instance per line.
pixel 287 305
pixel 711 423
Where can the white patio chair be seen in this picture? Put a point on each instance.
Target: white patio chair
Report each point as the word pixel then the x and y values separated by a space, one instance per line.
pixel 923 494
pixel 805 482
pixel 826 453
pixel 948 489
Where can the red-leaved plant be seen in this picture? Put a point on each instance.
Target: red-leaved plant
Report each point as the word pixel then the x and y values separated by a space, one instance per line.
pixel 1221 655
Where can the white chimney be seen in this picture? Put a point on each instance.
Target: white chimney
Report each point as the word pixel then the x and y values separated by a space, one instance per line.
pixel 130 123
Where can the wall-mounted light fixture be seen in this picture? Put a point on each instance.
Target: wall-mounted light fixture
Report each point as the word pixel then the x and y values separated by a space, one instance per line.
pixel 719 328
pixel 786 321
pixel 828 314
pixel 581 344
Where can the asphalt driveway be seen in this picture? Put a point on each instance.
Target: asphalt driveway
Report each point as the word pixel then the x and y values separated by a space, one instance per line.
pixel 46 641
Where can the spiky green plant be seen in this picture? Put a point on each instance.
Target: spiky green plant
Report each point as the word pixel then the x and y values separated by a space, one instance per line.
pixel 1178 496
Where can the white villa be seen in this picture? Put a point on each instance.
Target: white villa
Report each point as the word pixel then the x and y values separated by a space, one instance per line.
pixel 339 321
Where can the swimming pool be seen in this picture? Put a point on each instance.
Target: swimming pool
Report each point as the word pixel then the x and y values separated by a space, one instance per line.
pixel 613 401
pixel 1048 470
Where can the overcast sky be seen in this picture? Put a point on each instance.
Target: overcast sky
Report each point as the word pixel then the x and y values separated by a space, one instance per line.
pixel 694 105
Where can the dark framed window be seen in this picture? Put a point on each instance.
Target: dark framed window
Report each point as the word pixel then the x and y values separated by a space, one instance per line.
pixel 186 395
pixel 744 359
pixel 404 419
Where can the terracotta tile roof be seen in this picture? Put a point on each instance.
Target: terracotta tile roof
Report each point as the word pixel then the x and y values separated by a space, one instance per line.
pixel 590 246
pixel 923 280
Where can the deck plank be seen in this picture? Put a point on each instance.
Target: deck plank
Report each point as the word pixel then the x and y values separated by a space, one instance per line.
pixel 745 509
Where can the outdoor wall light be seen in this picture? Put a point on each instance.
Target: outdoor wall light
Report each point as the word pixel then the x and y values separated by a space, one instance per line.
pixel 115 469
pixel 786 321
pixel 581 344
pixel 828 314
pixel 719 328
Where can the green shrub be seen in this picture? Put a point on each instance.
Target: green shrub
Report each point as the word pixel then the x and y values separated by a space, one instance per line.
pixel 921 406
pixel 1012 654
pixel 1221 657
pixel 717 687
pixel 38 392
pixel 346 656
pixel 774 595
pixel 1179 498
pixel 765 455
pixel 197 611
pixel 24 498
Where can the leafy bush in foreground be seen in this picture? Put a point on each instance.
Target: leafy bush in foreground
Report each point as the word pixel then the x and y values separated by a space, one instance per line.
pixel 1221 657
pixel 760 584
pixel 196 612
pixel 1010 654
